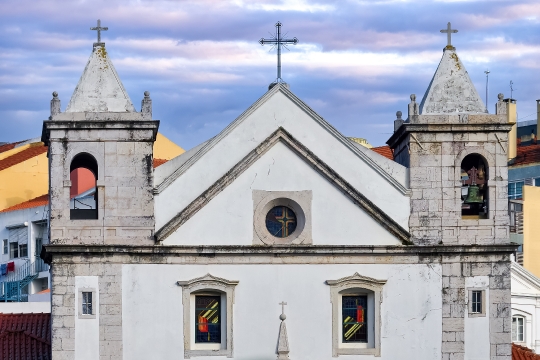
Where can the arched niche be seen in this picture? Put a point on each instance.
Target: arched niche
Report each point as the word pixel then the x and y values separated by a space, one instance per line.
pixel 83 192
pixel 474 175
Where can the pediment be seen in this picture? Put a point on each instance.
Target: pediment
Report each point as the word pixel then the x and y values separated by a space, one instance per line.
pixel 323 170
pixel 523 281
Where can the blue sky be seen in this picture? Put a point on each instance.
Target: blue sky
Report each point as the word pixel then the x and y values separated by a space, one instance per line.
pixel 356 64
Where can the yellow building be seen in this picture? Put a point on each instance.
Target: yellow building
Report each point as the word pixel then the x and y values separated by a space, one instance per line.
pixel 531 229
pixel 24 168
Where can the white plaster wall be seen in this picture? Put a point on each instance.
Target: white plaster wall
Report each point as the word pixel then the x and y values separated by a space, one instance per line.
pixel 253 130
pixel 477 345
pixel 25 307
pixel 280 169
pixel 87 330
pixel 526 303
pixel 152 309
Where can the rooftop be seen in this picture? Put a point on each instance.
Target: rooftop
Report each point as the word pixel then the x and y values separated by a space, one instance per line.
pixel 25 336
pixel 526 155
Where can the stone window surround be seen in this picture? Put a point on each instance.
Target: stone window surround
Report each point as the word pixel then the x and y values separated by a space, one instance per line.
pixel 208 284
pixel 298 201
pixel 526 319
pixel 337 288
pixel 469 302
pixel 80 307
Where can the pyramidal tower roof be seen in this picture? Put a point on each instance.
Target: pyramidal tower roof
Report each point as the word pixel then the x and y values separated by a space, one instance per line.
pixel 451 89
pixel 100 88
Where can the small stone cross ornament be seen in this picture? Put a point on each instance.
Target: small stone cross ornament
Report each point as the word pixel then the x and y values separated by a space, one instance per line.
pixel 99 29
pixel 283 341
pixel 449 31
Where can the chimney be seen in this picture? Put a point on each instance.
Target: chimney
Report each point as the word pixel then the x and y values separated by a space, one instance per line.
pixel 537 117
pixel 511 115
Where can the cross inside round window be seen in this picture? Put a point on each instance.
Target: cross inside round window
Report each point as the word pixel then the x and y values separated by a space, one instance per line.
pixel 281 221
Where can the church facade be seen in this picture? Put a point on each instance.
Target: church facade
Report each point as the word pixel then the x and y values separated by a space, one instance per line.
pixel 280 238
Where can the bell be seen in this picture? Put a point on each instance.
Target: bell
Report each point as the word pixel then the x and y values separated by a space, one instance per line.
pixel 474 197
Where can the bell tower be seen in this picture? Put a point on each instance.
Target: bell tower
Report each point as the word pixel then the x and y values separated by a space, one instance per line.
pixel 100 153
pixel 457 155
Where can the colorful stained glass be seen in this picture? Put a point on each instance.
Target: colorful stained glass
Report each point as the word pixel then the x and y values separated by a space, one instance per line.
pixel 207 316
pixel 281 221
pixel 354 311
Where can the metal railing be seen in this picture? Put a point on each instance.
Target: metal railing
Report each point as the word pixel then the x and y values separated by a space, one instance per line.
pixel 13 284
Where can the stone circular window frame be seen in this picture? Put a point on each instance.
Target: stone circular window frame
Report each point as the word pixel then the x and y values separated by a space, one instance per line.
pixel 297 201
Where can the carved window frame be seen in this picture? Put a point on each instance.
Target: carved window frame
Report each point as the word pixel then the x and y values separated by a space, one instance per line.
pixel 95 303
pixel 298 201
pixel 483 302
pixel 341 287
pixel 207 285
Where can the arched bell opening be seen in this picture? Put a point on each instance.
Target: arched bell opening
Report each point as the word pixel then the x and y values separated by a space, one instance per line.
pixel 83 193
pixel 474 187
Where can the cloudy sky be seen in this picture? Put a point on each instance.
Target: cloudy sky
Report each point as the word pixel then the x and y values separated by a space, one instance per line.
pixel 356 64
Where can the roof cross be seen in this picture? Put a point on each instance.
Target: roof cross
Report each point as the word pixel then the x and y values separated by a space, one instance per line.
pixel 282 316
pixel 449 31
pixel 278 42
pixel 99 29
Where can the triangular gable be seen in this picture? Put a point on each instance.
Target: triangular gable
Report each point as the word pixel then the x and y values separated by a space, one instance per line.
pixel 451 89
pixel 400 183
pixel 281 135
pixel 523 281
pixel 99 88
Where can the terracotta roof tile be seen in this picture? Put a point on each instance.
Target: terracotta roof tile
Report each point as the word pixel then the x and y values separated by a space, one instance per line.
pixel 7 147
pixel 527 155
pixel 35 202
pixel 158 162
pixel 25 336
pixel 523 353
pixel 21 156
pixel 384 151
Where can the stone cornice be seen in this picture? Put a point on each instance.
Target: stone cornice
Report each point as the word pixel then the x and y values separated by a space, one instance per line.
pixel 51 250
pixel 407 128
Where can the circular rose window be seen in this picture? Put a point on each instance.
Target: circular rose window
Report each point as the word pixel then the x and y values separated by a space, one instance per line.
pixel 281 221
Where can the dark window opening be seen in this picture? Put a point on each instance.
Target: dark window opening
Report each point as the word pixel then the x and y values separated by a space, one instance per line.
pixel 207 319
pixel 83 194
pixel 474 187
pixel 87 303
pixel 13 250
pixel 476 307
pixel 354 313
pixel 23 250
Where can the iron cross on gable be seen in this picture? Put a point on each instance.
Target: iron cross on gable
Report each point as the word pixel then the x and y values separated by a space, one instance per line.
pixel 278 42
pixel 98 28
pixel 449 31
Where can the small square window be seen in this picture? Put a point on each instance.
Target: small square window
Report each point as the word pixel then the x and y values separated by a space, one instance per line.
pixel 13 250
pixel 518 328
pixel 207 319
pixel 477 304
pixel 355 324
pixel 23 250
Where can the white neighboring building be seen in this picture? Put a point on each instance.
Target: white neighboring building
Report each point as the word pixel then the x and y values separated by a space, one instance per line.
pixel 525 308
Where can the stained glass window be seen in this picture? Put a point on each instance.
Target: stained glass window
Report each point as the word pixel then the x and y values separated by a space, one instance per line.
pixel 354 312
pixel 207 319
pixel 281 221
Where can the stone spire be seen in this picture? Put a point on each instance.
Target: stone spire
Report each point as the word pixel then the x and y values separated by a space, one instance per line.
pixel 283 341
pixel 451 90
pixel 100 88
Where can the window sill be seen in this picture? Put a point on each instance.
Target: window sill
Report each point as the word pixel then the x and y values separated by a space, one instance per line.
pixel 188 353
pixel 358 351
pixel 87 316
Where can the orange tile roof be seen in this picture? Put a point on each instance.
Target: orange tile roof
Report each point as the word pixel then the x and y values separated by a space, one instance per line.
pixel 158 162
pixel 523 353
pixel 384 151
pixel 21 156
pixel 35 202
pixel 7 147
pixel 25 336
pixel 527 155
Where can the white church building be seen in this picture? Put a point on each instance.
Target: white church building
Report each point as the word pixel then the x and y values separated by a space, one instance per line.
pixel 279 237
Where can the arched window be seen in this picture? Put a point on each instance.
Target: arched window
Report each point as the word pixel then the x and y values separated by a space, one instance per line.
pixel 474 187
pixel 83 193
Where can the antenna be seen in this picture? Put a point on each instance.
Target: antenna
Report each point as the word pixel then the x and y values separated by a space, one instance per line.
pixel 487 82
pixel 511 89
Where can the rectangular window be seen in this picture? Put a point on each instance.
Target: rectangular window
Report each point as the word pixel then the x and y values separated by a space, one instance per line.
pixel 23 250
pixel 4 246
pixel 207 319
pixel 518 329
pixel 515 190
pixel 354 314
pixel 87 303
pixel 476 307
pixel 13 250
pixel 537 182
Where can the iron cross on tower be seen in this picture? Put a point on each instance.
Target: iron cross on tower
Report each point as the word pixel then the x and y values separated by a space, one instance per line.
pixel 99 29
pixel 278 42
pixel 449 31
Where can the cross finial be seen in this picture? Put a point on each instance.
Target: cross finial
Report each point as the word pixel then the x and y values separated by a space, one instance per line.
pixel 279 42
pixel 282 316
pixel 449 31
pixel 98 28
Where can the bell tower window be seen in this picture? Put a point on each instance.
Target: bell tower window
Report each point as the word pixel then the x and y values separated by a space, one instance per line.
pixel 474 187
pixel 83 194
